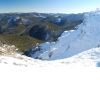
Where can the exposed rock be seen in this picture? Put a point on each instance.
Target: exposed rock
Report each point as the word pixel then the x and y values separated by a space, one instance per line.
pixel 7 50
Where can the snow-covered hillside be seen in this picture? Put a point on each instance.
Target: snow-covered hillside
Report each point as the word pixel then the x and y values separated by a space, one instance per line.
pixel 85 37
pixel 75 48
pixel 25 78
pixel 89 58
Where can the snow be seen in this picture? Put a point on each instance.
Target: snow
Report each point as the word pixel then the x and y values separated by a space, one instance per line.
pixel 75 48
pixel 74 73
pixel 87 36
pixel 89 58
pixel 13 20
pixel 26 22
pixel 23 78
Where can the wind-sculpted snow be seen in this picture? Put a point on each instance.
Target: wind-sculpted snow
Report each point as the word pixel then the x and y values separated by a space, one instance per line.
pixel 85 37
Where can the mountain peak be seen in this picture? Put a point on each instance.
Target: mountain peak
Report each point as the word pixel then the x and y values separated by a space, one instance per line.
pixel 85 37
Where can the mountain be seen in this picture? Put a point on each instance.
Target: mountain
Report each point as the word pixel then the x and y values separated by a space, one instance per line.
pixel 85 37
pixel 75 48
pixel 75 77
pixel 24 30
pixel 23 23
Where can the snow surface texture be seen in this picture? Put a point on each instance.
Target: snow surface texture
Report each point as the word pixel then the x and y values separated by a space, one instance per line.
pixel 89 58
pixel 85 37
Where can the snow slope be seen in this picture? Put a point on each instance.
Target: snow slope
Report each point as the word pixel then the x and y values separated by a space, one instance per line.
pixel 24 78
pixel 73 78
pixel 85 37
pixel 89 58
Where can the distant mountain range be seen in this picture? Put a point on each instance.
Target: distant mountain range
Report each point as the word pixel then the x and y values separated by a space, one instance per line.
pixel 36 27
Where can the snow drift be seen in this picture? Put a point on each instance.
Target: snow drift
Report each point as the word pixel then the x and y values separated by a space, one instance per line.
pixel 85 37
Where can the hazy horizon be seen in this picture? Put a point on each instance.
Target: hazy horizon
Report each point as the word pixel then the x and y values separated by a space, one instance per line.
pixel 46 6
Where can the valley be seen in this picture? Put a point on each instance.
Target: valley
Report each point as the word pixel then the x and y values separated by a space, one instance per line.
pixel 25 30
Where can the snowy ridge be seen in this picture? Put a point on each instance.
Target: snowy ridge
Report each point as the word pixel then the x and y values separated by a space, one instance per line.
pixel 10 57
pixel 87 36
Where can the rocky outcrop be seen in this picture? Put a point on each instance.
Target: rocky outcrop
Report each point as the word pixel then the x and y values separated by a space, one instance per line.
pixel 7 50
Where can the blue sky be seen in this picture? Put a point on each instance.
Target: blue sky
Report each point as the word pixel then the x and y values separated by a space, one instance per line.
pixel 64 6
